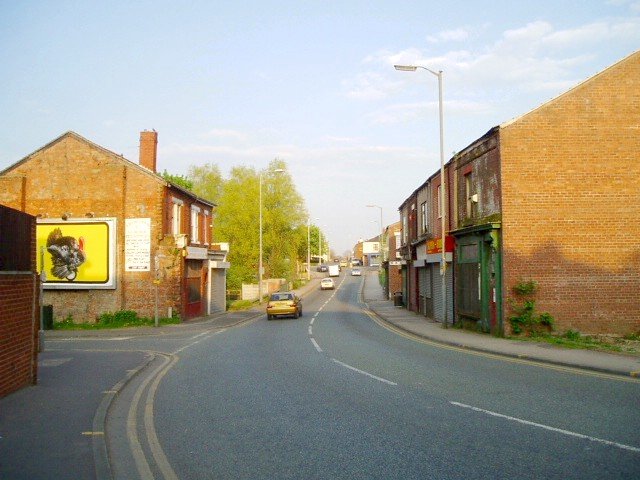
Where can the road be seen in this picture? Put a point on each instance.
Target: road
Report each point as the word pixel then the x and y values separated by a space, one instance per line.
pixel 336 395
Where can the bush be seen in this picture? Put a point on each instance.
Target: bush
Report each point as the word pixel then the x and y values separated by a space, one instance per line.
pixel 525 319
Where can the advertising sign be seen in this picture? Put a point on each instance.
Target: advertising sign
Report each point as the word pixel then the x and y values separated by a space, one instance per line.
pixel 77 253
pixel 137 244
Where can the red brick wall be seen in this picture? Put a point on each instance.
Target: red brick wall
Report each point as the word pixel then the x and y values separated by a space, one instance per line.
pixel 74 176
pixel 571 203
pixel 19 323
pixel 19 301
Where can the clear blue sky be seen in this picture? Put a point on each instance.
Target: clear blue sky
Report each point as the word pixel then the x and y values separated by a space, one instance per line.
pixel 242 83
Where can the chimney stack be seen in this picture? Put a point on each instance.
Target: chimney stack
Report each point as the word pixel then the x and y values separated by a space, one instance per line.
pixel 148 149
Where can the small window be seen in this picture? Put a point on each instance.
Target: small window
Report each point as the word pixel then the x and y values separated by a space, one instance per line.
pixel 468 193
pixel 195 224
pixel 423 217
pixel 176 216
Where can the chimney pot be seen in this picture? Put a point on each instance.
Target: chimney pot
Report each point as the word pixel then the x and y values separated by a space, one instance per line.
pixel 148 149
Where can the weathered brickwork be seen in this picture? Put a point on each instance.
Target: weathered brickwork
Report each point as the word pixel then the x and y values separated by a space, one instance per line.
pixel 571 203
pixel 72 177
pixel 19 302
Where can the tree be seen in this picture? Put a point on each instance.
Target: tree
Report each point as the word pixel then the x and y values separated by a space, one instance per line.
pixel 179 180
pixel 207 181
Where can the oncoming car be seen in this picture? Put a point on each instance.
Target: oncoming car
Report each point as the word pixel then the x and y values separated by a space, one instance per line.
pixel 284 304
pixel 327 284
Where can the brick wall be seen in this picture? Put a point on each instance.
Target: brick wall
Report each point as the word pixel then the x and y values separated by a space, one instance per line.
pixel 571 203
pixel 76 177
pixel 19 291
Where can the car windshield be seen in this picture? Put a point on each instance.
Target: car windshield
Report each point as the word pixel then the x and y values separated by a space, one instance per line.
pixel 281 296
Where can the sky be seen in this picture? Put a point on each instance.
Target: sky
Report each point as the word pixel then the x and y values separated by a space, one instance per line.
pixel 309 82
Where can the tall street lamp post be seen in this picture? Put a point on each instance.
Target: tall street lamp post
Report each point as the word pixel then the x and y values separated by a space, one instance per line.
pixel 443 260
pixel 260 268
pixel 381 252
pixel 308 249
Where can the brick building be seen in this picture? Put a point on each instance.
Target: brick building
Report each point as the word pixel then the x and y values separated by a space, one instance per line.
pixel 19 307
pixel 554 197
pixel 112 233
pixel 392 260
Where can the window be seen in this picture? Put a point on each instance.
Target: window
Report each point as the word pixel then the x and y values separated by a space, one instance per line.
pixel 206 228
pixel 195 224
pixel 468 189
pixel 423 218
pixel 176 215
pixel 405 229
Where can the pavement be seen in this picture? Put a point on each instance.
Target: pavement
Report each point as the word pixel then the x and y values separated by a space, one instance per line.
pixel 421 326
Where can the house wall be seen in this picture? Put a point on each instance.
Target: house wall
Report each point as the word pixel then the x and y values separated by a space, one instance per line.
pixel 75 177
pixel 482 162
pixel 571 203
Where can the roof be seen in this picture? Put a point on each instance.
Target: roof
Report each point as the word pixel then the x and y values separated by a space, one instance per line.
pixel 117 157
pixel 573 89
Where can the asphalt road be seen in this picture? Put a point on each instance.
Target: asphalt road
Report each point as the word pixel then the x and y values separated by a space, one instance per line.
pixel 335 395
pixel 332 395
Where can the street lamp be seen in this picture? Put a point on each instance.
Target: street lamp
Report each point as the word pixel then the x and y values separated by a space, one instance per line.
pixel 308 248
pixel 260 269
pixel 443 260
pixel 381 235
pixel 319 244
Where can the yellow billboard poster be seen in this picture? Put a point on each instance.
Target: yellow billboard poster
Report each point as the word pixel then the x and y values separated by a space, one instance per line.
pixel 77 253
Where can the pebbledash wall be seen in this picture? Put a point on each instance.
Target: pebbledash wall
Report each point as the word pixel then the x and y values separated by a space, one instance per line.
pixel 571 202
pixel 74 178
pixel 19 305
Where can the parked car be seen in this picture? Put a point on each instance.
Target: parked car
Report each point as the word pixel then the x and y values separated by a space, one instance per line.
pixel 356 272
pixel 327 284
pixel 284 304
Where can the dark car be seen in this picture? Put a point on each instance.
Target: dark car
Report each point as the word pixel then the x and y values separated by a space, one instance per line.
pixel 322 268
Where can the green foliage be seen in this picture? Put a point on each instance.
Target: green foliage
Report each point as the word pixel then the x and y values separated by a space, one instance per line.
pixel 179 180
pixel 526 288
pixel 525 320
pixel 120 319
pixel 284 223
pixel 236 219
pixel 207 181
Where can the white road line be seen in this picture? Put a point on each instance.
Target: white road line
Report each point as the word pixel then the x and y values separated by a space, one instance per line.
pixel 315 344
pixel 312 320
pixel 546 427
pixel 310 330
pixel 363 372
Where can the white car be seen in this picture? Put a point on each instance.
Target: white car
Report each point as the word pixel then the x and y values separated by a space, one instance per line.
pixel 356 272
pixel 327 284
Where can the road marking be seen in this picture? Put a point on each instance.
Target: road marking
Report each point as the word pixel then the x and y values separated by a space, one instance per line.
pixel 310 330
pixel 315 344
pixel 92 433
pixel 503 358
pixel 546 427
pixel 380 379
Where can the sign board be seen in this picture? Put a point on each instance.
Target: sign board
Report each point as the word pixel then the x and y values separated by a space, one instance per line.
pixel 435 245
pixel 137 244
pixel 77 253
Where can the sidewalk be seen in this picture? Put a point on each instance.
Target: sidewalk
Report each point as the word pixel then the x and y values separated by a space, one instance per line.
pixel 400 317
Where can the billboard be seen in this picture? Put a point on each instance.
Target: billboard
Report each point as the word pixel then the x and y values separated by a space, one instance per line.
pixel 77 253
